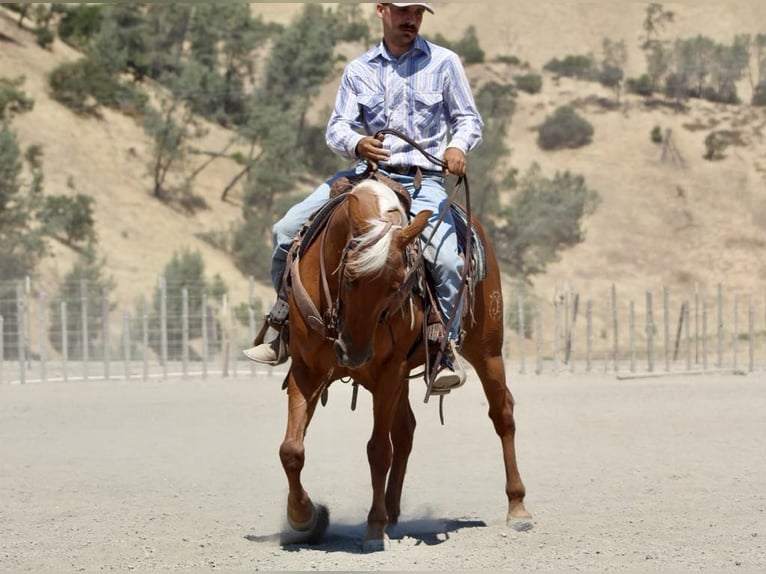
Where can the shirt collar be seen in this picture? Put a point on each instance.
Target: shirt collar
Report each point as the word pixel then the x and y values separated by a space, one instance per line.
pixel 419 46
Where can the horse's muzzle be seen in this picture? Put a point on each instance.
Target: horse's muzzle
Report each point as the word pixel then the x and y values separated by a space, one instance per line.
pixel 351 358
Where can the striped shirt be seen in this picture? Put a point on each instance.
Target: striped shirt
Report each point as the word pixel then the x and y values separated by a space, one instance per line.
pixel 424 93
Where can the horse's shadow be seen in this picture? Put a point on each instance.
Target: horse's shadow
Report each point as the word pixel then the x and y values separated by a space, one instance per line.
pixel 348 537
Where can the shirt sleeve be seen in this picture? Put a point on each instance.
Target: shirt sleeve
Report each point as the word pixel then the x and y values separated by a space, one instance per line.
pixel 465 121
pixel 345 124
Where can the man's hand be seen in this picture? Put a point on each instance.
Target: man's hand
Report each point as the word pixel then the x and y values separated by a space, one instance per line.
pixel 371 149
pixel 456 162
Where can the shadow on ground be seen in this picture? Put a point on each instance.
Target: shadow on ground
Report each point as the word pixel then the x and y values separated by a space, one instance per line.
pixel 348 537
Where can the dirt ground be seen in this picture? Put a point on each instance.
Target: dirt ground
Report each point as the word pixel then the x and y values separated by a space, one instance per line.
pixel 662 474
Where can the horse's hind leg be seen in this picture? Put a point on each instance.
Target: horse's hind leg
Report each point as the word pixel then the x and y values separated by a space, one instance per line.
pixel 302 515
pixel 402 431
pixel 491 371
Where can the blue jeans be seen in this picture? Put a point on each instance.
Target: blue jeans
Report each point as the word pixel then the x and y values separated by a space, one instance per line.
pixel 441 253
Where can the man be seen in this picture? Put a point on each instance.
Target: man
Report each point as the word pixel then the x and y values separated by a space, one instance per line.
pixel 418 88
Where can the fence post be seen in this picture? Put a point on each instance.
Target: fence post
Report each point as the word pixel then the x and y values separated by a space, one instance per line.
pixel 557 302
pixel 666 325
pixel 84 332
pixel 571 331
pixel 64 343
pixel 522 334
pixel 126 343
pixel 164 327
pixel 205 342
pixel 687 328
pixel 751 334
pixel 538 339
pixel 735 342
pixel 225 336
pixel 719 331
pixel 105 333
pixel 589 334
pixel 233 339
pixel 696 324
pixel 145 341
pixel 650 331
pixel 632 336
pixel 21 314
pixel 704 336
pixel 43 337
pixel 185 332
pixel 615 331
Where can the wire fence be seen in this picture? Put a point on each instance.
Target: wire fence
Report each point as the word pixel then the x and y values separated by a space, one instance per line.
pixel 181 330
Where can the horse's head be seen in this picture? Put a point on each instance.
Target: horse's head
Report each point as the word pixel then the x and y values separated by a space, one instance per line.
pixel 374 267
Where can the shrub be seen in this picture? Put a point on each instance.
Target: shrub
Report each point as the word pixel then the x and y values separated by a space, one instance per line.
pixel 564 129
pixel 85 84
pixel 512 60
pixel 641 86
pixel 610 76
pixel 67 216
pixel 657 135
pixel 530 83
pixel 715 144
pixel 80 23
pixel 581 66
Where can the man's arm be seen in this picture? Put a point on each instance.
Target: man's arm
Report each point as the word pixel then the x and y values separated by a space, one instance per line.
pixel 466 124
pixel 345 124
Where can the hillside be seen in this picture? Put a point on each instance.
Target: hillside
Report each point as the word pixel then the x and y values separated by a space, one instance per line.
pixel 659 223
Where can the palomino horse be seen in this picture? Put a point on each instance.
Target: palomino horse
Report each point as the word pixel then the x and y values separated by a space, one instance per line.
pixel 366 323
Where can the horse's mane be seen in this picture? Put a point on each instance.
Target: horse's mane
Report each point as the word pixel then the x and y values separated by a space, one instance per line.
pixel 372 258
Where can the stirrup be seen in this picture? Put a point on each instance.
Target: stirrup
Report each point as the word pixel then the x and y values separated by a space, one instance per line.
pixel 448 379
pixel 278 345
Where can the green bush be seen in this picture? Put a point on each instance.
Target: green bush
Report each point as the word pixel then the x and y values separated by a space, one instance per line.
pixel 512 60
pixel 715 144
pixel 80 23
pixel 581 66
pixel 656 134
pixel 71 217
pixel 564 129
pixel 13 98
pixel 44 37
pixel 641 85
pixel 529 83
pixel 85 84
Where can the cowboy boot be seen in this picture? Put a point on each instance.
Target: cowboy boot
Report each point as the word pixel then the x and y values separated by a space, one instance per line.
pixel 270 345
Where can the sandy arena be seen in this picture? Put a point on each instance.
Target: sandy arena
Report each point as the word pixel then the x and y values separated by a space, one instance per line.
pixel 649 475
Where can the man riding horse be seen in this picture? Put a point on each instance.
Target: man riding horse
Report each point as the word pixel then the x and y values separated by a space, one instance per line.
pixel 417 88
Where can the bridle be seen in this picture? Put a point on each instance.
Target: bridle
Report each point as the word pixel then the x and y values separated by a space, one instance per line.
pixel 327 323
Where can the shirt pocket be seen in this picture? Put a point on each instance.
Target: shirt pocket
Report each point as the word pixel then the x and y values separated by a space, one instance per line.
pixel 428 109
pixel 373 110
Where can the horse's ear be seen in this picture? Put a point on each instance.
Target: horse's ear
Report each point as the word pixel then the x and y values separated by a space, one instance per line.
pixel 415 228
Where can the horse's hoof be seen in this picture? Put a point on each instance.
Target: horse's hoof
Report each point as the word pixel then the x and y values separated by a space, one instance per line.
pixel 520 524
pixel 310 532
pixel 376 544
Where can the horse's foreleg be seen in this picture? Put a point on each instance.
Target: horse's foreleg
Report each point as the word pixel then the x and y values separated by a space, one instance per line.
pixel 491 371
pixel 379 455
pixel 402 431
pixel 301 513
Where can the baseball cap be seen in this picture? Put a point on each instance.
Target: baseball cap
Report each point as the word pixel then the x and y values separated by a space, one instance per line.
pixel 423 4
